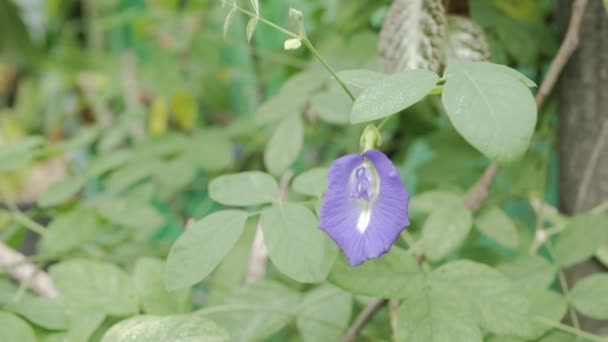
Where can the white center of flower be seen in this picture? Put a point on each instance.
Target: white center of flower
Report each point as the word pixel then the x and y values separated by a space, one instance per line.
pixel 364 217
pixel 365 186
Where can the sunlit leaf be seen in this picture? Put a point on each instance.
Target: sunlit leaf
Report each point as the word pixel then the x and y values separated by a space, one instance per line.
pixel 148 328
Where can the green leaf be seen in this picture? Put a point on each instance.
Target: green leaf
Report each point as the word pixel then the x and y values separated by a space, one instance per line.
pixel 148 278
pixel 491 297
pixel 176 173
pixel 130 213
pixel 445 230
pixel 228 21
pixel 131 173
pixel 545 304
pixel 148 328
pixel 590 296
pixel 14 329
pixel 86 285
pixel 529 272
pixel 295 245
pixel 428 202
pixel 232 270
pixel 255 312
pixel 492 110
pixel 434 316
pixel 393 275
pixel 581 237
pixel 251 27
pixel 332 106
pixel 211 152
pixel 324 314
pixel 44 312
pixel 361 78
pixel 392 94
pixel 284 145
pixel 601 254
pixel 60 192
pixel 68 231
pixel 244 189
pixel 293 96
pixel 312 182
pixel 82 324
pixel 495 224
pixel 19 154
pixel 202 246
pixel 107 162
pixel 412 35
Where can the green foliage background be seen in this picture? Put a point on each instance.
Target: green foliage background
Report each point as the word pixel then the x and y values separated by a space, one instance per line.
pixel 170 141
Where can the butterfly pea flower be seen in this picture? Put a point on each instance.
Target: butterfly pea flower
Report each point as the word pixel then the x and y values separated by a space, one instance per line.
pixel 365 205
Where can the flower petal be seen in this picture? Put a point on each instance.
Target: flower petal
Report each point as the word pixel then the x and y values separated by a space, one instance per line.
pixel 339 213
pixel 389 213
pixel 364 234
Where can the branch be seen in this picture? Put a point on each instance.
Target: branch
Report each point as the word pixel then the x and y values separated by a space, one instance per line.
pixel 259 252
pixel 26 273
pixel 569 45
pixel 480 192
pixel 364 317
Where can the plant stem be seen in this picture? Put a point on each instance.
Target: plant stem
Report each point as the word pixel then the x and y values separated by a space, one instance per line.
pixel 19 217
pixel 563 283
pixel 267 22
pixel 569 329
pixel 306 42
pixel 318 56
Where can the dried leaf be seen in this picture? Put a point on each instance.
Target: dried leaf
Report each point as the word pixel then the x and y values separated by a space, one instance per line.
pixel 412 35
pixel 465 41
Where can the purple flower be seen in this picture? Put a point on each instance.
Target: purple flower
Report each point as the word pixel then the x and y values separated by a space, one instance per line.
pixel 365 206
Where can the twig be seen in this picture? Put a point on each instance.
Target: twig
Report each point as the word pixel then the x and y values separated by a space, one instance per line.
pixel 364 317
pixel 26 272
pixel 131 93
pixel 259 258
pixel 594 157
pixel 480 192
pixel 259 252
pixel 569 45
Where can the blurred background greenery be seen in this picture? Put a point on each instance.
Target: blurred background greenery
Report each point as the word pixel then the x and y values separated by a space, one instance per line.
pixel 115 114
